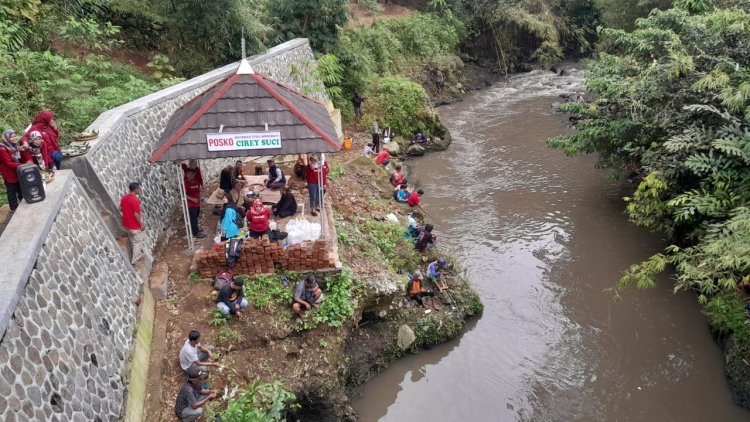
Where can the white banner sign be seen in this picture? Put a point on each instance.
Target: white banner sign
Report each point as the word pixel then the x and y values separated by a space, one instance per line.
pixel 240 141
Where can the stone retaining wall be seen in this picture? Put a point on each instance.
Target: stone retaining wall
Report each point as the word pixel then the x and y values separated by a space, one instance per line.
pixel 129 134
pixel 64 354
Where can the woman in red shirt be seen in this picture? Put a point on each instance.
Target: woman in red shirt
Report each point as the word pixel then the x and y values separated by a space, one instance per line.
pixel 44 123
pixel 10 159
pixel 258 219
pixel 383 157
pixel 35 151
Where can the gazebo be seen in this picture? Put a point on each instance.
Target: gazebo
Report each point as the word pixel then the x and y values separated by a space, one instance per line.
pixel 243 115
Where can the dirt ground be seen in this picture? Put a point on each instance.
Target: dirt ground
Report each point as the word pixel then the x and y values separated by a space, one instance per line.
pixel 262 343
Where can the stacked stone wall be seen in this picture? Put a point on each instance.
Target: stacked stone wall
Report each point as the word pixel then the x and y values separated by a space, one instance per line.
pixel 129 135
pixel 63 356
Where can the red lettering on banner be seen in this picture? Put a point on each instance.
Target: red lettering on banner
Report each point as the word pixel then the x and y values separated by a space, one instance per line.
pixel 221 142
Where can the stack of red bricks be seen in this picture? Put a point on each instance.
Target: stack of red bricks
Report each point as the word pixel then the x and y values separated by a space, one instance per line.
pixel 262 257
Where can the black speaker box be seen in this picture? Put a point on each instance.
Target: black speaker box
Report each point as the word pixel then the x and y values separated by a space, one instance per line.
pixel 32 184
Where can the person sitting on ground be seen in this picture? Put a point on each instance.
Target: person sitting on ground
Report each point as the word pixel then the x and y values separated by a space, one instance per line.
pixel 307 295
pixel 192 397
pixel 231 299
pixel 258 220
pixel 401 193
pixel 369 150
pixel 237 196
pixel 276 178
pixel 414 198
pixel 433 273
pixel 238 173
pixel 397 177
pixel 229 222
pixel 419 138
pixel 287 205
pixel 415 291
pixel 194 355
pixel 425 240
pixel 299 167
pixel 414 222
pixel 383 158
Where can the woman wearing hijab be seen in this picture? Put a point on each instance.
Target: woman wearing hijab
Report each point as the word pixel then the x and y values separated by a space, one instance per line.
pixel 10 159
pixel 258 219
pixel 36 151
pixel 229 222
pixel 44 123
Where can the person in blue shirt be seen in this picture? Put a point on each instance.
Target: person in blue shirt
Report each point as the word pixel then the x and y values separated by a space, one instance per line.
pixel 229 227
pixel 433 273
pixel 401 193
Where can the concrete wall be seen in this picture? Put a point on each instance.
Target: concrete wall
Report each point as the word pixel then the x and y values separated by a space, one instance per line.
pixel 129 134
pixel 71 292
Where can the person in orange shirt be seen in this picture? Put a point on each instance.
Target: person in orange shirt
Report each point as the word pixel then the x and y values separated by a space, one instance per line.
pixel 415 291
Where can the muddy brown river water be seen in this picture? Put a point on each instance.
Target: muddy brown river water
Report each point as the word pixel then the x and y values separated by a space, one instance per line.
pixel 542 236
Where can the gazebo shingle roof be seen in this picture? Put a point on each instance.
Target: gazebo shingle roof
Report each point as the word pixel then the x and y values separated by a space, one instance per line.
pixel 245 102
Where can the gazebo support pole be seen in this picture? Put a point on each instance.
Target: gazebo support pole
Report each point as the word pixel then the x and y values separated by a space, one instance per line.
pixel 323 219
pixel 185 213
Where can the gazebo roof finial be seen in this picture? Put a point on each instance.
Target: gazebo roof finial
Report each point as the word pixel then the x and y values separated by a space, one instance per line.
pixel 244 68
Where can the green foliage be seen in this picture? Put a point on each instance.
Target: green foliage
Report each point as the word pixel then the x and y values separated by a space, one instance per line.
pixel 672 113
pixel 371 6
pixel 337 170
pixel 263 290
pixel 161 66
pixel 337 306
pixel 260 403
pixel 89 33
pixel 622 14
pixel 314 19
pixel 77 91
pixel 432 330
pixel 401 104
pixel 727 315
pixel 228 335
pixel 216 317
pixel 194 277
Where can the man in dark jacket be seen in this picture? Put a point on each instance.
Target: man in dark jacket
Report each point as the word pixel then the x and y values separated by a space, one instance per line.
pixel 287 205
pixel 276 178
pixel 231 299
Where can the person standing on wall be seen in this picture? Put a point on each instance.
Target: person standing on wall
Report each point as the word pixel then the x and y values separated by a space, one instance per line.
pixel 193 196
pixel 130 207
pixel 376 134
pixel 10 159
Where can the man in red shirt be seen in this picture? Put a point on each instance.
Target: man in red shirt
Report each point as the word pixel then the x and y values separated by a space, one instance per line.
pixel 130 207
pixel 383 157
pixel 414 198
pixel 193 194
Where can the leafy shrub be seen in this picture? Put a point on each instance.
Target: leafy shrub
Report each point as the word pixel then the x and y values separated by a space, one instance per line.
pixel 727 315
pixel 401 104
pixel 262 290
pixel 431 330
pixel 337 306
pixel 260 403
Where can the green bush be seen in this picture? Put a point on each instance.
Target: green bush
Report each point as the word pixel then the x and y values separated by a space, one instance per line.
pixel 401 104
pixel 260 403
pixel 727 315
pixel 77 91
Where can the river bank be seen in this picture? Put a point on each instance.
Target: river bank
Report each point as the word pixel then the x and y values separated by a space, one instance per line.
pixel 321 363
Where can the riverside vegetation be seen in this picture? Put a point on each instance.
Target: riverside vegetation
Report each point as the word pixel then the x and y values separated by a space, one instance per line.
pixel 673 113
pixel 671 109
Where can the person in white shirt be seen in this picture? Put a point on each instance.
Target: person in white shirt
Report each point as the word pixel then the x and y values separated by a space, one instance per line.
pixel 369 150
pixel 194 355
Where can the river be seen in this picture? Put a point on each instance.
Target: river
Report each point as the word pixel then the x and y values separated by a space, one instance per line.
pixel 542 236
